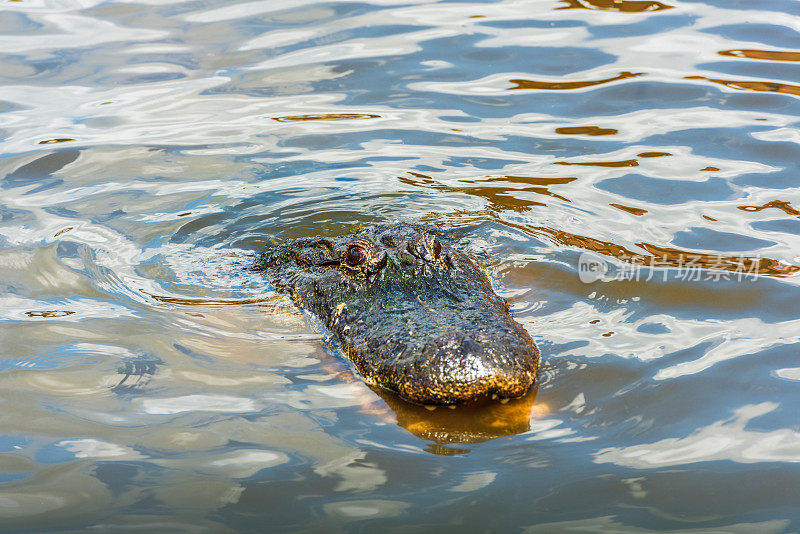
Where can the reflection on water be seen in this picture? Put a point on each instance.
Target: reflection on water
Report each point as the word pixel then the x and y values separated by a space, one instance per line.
pixel 769 55
pixel 326 117
pixel 464 424
pixel 630 6
pixel 586 130
pixel 565 86
pixel 151 149
pixel 747 85
pixel 777 204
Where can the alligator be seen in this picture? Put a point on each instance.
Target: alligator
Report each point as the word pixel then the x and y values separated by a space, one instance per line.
pixel 415 315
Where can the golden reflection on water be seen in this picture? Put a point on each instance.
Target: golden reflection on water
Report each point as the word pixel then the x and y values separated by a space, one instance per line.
pixel 777 204
pixel 623 163
pixel 58 140
pixel 63 231
pixel 538 185
pixel 326 117
pixel 49 313
pixel 769 55
pixel 521 83
pixel 465 424
pixel 634 211
pixel 586 130
pixel 500 198
pixel 746 85
pixel 188 301
pixel 625 6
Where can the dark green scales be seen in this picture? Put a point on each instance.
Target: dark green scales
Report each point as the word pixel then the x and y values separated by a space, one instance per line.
pixel 416 316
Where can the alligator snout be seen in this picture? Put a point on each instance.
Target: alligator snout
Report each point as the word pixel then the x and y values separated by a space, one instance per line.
pixel 459 367
pixel 415 315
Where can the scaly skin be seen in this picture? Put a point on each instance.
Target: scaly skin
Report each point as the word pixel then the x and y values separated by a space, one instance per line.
pixel 416 316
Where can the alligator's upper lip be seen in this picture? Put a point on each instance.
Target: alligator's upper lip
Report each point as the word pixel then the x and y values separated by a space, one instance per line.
pixel 458 367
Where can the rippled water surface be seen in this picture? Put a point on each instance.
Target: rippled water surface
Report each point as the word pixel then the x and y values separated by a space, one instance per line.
pixel 626 170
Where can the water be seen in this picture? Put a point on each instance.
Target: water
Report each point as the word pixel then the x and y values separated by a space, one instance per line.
pixel 626 170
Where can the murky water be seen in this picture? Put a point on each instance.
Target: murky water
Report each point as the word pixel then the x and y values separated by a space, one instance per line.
pixel 626 168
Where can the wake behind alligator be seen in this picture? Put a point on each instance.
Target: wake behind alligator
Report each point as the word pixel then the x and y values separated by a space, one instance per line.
pixel 415 315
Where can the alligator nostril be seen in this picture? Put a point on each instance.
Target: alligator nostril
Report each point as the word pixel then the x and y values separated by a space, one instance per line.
pixel 425 246
pixel 436 248
pixel 380 263
pixel 389 240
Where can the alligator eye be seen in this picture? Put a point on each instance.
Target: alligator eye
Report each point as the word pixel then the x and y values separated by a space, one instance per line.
pixel 355 256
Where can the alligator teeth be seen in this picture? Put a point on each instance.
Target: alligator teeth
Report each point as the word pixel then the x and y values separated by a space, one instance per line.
pixel 451 406
pixel 429 407
pixel 503 400
pixel 494 396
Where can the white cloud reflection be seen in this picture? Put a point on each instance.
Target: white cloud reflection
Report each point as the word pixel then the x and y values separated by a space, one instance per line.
pixel 194 403
pixel 95 448
pixel 723 440
pixel 240 463
pixel 475 481
pixel 609 525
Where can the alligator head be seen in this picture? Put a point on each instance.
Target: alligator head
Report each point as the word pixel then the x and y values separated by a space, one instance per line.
pixel 415 315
